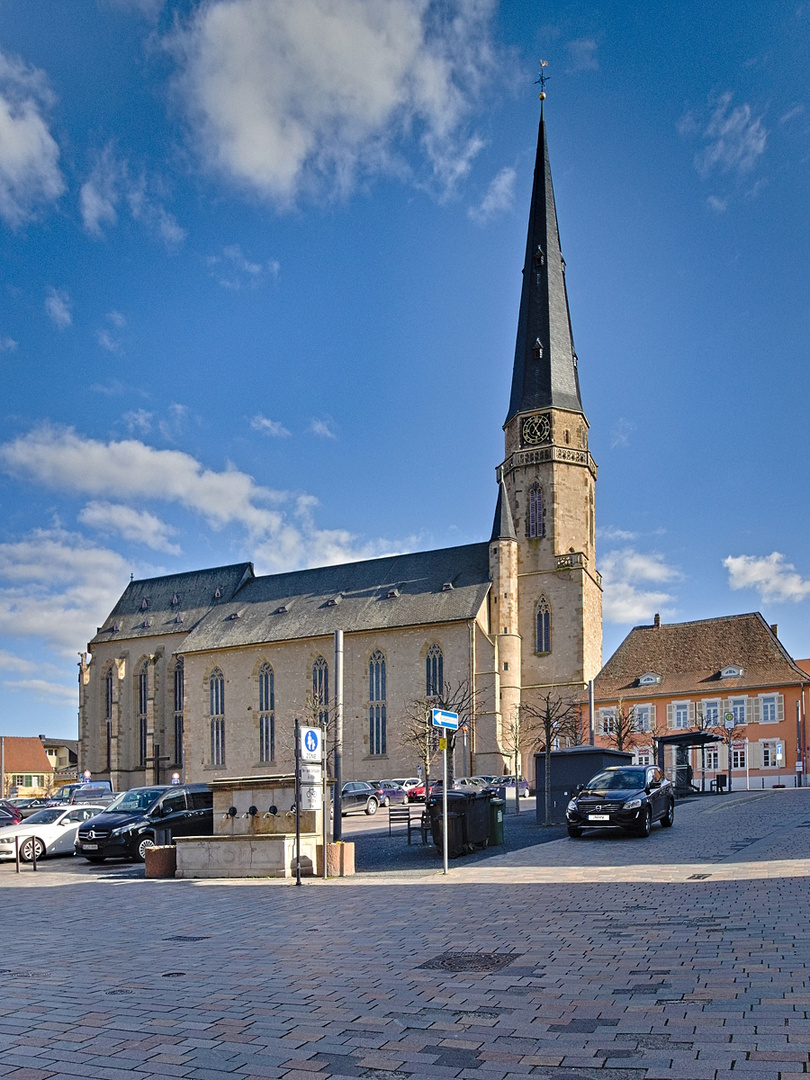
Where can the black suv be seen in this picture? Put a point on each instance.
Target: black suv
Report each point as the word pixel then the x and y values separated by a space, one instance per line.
pixel 627 797
pixel 127 827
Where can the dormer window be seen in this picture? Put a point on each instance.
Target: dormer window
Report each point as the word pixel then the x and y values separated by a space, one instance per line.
pixel 650 678
pixel 732 671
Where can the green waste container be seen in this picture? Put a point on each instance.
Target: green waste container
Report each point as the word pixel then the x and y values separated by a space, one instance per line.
pixel 496 821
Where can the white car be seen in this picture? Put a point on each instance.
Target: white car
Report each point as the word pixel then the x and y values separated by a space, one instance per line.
pixel 51 831
pixel 408 782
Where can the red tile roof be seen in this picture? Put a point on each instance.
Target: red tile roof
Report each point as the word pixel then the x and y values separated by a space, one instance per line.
pixel 23 755
pixel 689 656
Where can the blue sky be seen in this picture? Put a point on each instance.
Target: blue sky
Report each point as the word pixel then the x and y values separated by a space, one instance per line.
pixel 261 270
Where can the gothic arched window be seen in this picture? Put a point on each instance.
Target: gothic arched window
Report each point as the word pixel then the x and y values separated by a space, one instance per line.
pixel 108 711
pixel 543 626
pixel 179 697
pixel 535 521
pixel 434 672
pixel 216 690
pixel 143 703
pixel 267 710
pixel 377 703
pixel 320 689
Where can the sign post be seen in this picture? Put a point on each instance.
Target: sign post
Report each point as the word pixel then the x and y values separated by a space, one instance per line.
pixel 308 758
pixel 446 721
pixel 729 726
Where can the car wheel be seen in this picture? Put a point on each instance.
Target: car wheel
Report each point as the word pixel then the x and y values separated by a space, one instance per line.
pixel 574 833
pixel 645 825
pixel 31 847
pixel 669 816
pixel 95 858
pixel 371 807
pixel 144 844
pixel 386 801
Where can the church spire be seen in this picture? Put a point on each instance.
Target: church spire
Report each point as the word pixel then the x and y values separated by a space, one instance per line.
pixel 545 371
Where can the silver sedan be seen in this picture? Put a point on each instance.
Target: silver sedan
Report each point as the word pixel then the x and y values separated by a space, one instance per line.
pixel 51 831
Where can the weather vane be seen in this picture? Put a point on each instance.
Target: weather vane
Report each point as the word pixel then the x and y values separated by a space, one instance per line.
pixel 543 79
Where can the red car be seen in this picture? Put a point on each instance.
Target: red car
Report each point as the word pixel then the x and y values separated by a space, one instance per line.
pixel 9 814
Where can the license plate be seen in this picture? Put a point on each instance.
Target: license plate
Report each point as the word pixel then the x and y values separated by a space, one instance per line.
pixel 598 817
pixel 89 847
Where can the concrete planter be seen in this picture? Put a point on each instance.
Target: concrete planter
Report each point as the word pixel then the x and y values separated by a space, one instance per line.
pixel 339 859
pixel 161 862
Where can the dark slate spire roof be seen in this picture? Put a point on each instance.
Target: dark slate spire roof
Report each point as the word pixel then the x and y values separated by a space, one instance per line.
pixel 503 528
pixel 544 376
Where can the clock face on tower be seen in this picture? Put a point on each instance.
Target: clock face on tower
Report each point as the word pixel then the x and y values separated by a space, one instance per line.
pixel 536 429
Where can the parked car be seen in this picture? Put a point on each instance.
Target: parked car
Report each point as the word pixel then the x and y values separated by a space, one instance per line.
pixel 9 814
pixel 29 806
pixel 358 795
pixel 407 782
pixel 470 783
pixel 50 831
pixel 89 791
pixel 624 797
pixel 126 828
pixel 390 793
pixel 509 782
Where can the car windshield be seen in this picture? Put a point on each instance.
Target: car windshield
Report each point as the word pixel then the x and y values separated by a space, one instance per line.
pixel 620 780
pixel 45 817
pixel 136 799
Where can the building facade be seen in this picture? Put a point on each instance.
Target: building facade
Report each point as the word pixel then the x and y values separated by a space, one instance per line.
pixel 729 676
pixel 203 673
pixel 27 772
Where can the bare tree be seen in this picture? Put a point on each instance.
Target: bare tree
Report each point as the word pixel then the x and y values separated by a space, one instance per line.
pixel 417 731
pixel 622 731
pixel 541 721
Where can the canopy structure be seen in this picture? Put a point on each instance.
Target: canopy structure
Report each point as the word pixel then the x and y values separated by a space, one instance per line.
pixel 685 740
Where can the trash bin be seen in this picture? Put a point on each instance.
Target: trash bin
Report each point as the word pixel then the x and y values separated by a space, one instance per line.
pixel 496 821
pixel 476 819
pixel 455 831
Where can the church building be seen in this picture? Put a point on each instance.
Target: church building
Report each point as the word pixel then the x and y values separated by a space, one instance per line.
pixel 203 673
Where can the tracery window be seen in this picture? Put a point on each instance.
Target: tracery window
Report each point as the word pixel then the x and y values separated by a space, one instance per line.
pixel 434 672
pixel 320 689
pixel 108 710
pixel 267 709
pixel 377 704
pixel 216 689
pixel 143 701
pixel 535 511
pixel 179 696
pixel 543 626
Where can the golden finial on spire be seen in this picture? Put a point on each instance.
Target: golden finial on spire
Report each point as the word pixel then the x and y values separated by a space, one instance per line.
pixel 543 79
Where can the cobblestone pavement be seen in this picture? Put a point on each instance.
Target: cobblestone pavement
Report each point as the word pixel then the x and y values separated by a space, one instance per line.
pixel 609 958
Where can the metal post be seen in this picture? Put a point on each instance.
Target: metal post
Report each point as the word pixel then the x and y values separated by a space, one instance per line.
pixel 444 805
pixel 324 804
pixel 590 712
pixel 297 804
pixel 799 739
pixel 337 818
pixel 17 851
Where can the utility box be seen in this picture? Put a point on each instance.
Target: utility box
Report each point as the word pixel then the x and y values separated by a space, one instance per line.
pixel 569 769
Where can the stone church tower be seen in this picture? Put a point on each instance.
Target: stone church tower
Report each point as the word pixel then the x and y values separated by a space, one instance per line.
pixel 550 604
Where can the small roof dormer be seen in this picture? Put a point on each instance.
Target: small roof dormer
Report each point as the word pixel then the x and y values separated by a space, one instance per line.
pixel 650 678
pixel 732 671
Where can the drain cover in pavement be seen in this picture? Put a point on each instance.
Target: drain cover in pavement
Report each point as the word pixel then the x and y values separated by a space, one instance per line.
pixel 173 974
pixel 117 993
pixel 188 937
pixel 461 961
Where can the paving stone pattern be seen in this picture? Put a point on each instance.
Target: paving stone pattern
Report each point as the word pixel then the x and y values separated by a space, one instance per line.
pixel 106 975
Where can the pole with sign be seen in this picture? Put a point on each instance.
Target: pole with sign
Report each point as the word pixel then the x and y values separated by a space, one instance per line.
pixel 728 720
pixel 445 721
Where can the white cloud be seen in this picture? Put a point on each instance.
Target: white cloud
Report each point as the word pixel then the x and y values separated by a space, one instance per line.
pixel 10 662
pixel 716 203
pixel 322 428
pixel 29 156
pixel 772 577
pixel 626 578
pixel 233 270
pixel 7 344
pixel 57 587
pixel 42 690
pixel 611 532
pixel 117 319
pixel 137 525
pixel 582 55
pixel 57 308
pixel 499 198
pixel 269 427
pixel 292 94
pixel 620 436
pixel 797 110
pixel 107 341
pixel 736 139
pixel 111 184
pixel 138 420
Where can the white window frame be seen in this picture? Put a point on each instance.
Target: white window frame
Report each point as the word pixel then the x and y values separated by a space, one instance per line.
pixel 739 707
pixel 712 759
pixel 681 712
pixel 642 718
pixel 738 759
pixel 769 703
pixel 767 749
pixel 712 712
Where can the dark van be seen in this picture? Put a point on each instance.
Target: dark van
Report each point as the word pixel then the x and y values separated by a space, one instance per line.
pixel 128 826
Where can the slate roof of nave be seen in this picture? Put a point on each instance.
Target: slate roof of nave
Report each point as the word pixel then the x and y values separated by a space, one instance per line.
pixel 424 587
pixel 172 604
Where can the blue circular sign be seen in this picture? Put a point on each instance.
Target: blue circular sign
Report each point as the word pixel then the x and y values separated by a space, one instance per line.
pixel 311 741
